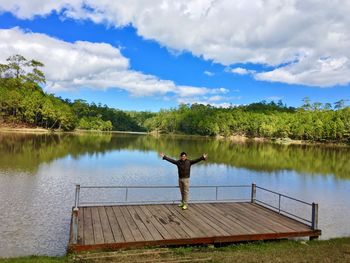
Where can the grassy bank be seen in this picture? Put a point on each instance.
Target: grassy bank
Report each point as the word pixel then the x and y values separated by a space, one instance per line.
pixel 333 250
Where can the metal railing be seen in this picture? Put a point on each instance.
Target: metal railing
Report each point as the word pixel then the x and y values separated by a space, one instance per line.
pixel 253 199
pixel 313 221
pixel 127 190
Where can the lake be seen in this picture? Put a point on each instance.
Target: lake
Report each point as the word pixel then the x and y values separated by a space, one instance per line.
pixel 38 174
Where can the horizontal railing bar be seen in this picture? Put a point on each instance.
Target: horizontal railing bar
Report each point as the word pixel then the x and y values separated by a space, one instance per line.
pixel 173 201
pixel 121 202
pixel 283 211
pixel 301 218
pixel 155 202
pixel 266 204
pixel 301 201
pixel 165 186
pixel 221 200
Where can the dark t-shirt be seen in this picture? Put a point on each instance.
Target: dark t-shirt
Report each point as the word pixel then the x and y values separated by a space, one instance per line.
pixel 184 167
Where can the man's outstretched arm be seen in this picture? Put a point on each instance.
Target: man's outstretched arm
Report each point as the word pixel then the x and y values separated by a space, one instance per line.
pixel 203 157
pixel 164 157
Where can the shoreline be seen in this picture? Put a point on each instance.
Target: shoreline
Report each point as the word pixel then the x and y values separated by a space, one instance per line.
pixel 232 138
pixel 45 131
pixel 331 250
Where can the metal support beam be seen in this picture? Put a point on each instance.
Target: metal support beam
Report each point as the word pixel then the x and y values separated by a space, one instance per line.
pixel 77 194
pixel 253 193
pixel 314 216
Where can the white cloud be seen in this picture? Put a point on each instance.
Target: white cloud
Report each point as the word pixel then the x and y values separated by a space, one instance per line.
pixel 297 34
pixel 216 98
pixel 241 71
pixel 324 72
pixel 209 73
pixel 185 91
pixel 70 66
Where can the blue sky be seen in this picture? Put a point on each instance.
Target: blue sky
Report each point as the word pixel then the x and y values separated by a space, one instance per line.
pixel 181 57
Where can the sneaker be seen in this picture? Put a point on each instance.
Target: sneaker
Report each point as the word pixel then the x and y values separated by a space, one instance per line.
pixel 184 207
pixel 181 204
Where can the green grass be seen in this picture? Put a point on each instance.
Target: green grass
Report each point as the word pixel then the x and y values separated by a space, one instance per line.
pixel 333 250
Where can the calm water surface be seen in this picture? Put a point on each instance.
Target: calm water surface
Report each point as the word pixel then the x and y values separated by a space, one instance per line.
pixel 38 174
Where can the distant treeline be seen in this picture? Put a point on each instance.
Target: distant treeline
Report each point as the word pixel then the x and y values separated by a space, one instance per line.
pixel 272 120
pixel 22 101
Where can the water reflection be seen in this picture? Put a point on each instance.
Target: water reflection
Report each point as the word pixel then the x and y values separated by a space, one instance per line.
pixel 23 152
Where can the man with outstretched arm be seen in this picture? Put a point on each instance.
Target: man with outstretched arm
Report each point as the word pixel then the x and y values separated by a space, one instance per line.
pixel 184 170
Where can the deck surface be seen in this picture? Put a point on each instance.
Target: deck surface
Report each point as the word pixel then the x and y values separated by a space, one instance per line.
pixel 127 226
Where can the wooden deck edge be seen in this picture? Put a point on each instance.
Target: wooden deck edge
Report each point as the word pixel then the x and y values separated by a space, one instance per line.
pixel 193 241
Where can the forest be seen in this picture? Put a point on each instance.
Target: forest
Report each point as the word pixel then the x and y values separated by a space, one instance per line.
pixel 23 102
pixel 312 121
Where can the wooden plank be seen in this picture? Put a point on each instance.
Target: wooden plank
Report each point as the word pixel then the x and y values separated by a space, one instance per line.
pixel 161 229
pixel 200 223
pixel 229 220
pixel 173 221
pixel 148 223
pixel 164 221
pixel 263 219
pixel 240 223
pixel 243 218
pixel 106 228
pixel 249 219
pixel 88 229
pixel 208 221
pixel 233 213
pixel 228 225
pixel 138 221
pixel 96 224
pixel 117 232
pixel 183 224
pixel 132 226
pixel 81 226
pixel 128 236
pixel 193 229
pixel 214 218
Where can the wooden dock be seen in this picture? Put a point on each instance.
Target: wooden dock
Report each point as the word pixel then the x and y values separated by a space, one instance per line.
pixel 130 226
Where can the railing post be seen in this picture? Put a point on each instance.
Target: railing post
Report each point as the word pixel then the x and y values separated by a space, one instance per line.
pixel 216 193
pixel 314 216
pixel 77 193
pixel 279 203
pixel 253 193
pixel 75 215
pixel 126 194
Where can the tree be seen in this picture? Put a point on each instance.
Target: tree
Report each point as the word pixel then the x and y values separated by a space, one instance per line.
pixel 338 105
pixel 19 73
pixel 306 103
pixel 32 107
pixel 327 106
pixel 316 106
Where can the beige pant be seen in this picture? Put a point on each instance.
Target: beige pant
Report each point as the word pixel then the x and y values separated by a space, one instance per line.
pixel 184 184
